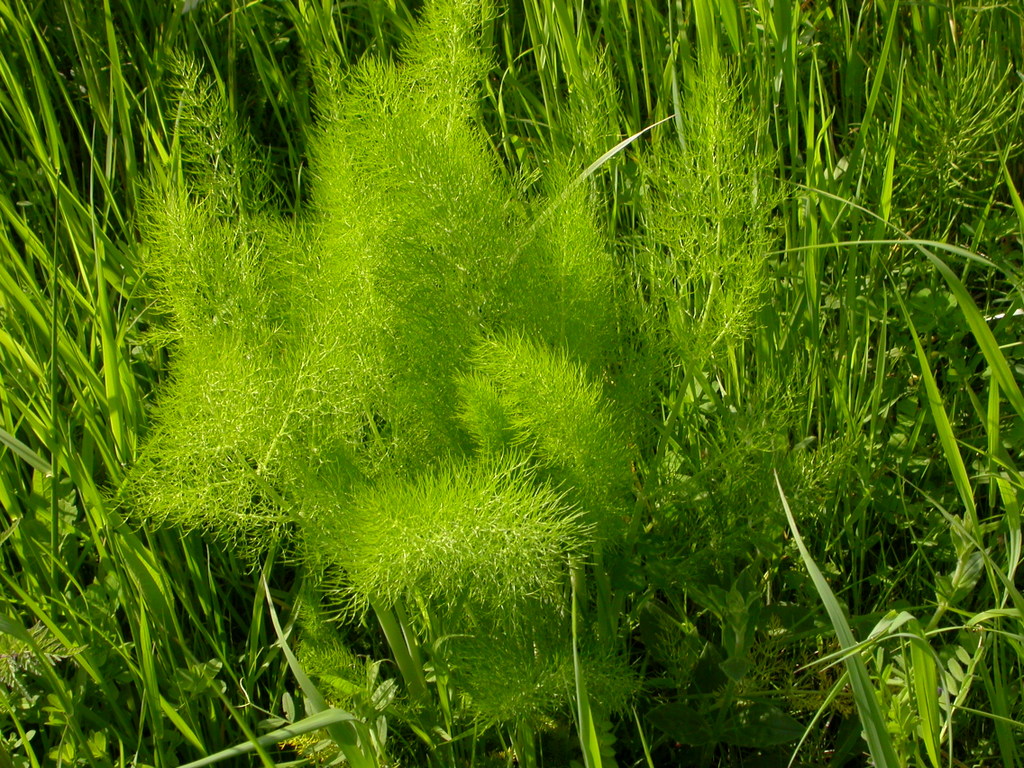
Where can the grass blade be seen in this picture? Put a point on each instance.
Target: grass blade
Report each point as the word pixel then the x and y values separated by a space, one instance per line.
pixel 942 425
pixel 347 731
pixel 328 718
pixel 20 449
pixel 875 733
pixel 589 739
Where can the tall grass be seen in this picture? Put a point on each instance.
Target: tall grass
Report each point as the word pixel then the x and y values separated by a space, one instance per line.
pixel 873 367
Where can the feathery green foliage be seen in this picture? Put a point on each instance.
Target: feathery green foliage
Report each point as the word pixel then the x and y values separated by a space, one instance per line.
pixel 709 226
pixel 565 421
pixel 486 534
pixel 19 657
pixel 321 374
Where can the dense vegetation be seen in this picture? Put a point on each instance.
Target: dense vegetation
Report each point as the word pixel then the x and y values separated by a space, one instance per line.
pixel 534 383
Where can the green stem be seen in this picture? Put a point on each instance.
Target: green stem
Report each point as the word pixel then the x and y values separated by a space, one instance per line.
pixel 54 414
pixel 524 744
pixel 406 652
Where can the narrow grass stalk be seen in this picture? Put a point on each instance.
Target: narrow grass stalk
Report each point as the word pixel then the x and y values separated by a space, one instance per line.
pixel 875 731
pixel 590 740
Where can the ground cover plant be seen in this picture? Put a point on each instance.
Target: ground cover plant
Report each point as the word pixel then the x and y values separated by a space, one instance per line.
pixel 528 383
